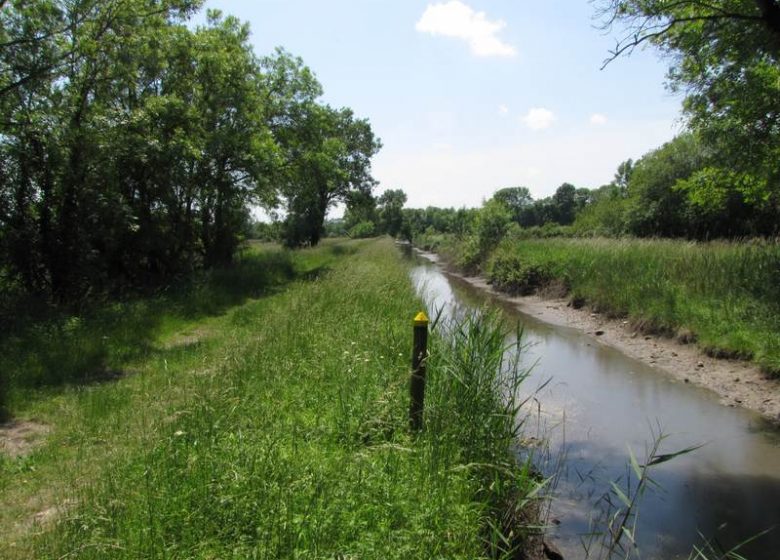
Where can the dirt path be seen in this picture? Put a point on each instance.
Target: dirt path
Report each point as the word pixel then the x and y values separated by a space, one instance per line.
pixel 737 383
pixel 19 438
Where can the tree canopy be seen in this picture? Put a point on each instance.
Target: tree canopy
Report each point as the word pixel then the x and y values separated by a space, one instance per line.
pixel 725 56
pixel 133 145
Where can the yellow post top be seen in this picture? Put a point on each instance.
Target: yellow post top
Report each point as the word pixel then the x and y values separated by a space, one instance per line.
pixel 421 319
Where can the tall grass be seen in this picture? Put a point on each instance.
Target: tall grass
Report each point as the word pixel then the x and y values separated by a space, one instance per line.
pixel 47 346
pixel 725 295
pixel 474 420
pixel 283 433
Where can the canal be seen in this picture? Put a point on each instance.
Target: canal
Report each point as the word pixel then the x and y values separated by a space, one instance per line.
pixel 591 404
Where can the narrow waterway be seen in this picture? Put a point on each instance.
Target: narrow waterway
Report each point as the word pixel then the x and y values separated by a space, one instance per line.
pixel 598 404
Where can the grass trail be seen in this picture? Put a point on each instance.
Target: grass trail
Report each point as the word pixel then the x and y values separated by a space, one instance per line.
pixel 275 428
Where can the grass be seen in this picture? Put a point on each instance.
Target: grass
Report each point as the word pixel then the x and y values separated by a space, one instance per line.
pixel 724 295
pixel 264 415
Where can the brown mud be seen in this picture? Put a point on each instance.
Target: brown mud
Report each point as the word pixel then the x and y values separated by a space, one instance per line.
pixel 736 382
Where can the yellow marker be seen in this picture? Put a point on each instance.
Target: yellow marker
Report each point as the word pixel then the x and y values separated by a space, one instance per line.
pixel 421 320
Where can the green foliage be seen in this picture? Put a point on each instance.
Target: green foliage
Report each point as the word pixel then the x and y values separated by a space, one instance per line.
pixel 134 165
pixel 655 206
pixel 516 199
pixel 519 276
pixel 606 215
pixel 278 429
pixel 327 151
pixel 391 204
pixel 490 225
pixel 722 292
pixel 725 56
pixel 133 144
pixel 264 231
pixel 443 220
pixel 362 229
pixel 361 207
pixel 565 204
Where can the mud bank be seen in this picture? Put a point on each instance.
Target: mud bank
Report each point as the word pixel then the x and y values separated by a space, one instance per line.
pixel 736 382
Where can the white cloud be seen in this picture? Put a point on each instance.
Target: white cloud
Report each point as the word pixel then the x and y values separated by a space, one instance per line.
pixel 458 20
pixel 598 119
pixel 538 118
pixel 503 109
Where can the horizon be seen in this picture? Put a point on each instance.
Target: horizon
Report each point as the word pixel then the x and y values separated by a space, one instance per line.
pixel 472 96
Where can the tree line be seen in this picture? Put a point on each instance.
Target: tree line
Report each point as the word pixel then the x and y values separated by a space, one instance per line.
pixel 718 179
pixel 132 145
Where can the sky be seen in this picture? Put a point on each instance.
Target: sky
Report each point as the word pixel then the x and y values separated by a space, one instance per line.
pixel 470 96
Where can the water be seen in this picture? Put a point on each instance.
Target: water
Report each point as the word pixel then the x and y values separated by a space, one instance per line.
pixel 599 403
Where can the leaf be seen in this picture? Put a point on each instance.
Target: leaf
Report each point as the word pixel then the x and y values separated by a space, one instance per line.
pixel 619 493
pixel 635 465
pixel 664 457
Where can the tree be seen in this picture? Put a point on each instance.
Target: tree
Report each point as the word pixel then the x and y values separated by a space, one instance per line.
pixel 725 55
pixel 131 145
pixel 325 152
pixel 623 176
pixel 672 24
pixel 516 199
pixel 391 204
pixel 565 204
pixel 605 213
pixel 490 225
pixel 361 207
pixel 655 205
pixel 73 75
pixel 334 161
pixel 238 154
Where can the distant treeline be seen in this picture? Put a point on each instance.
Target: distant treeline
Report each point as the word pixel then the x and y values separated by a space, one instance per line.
pixel 132 144
pixel 720 179
pixel 669 192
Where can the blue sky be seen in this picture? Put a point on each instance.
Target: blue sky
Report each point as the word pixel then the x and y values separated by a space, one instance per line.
pixel 469 96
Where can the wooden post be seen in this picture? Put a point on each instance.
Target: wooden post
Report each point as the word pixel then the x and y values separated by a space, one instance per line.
pixel 417 385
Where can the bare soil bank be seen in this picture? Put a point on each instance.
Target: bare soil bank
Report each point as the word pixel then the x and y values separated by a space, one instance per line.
pixel 737 382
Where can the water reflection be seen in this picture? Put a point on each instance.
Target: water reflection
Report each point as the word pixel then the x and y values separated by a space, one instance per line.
pixel 600 402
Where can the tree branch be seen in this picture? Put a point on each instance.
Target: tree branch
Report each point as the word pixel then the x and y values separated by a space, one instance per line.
pixel 644 34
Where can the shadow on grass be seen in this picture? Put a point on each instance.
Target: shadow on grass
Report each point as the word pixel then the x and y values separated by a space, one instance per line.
pixel 52 348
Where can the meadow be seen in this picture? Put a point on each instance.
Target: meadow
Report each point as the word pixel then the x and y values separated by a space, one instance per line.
pixel 262 412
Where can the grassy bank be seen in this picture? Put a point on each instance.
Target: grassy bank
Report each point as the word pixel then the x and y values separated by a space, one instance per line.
pixel 266 419
pixel 723 295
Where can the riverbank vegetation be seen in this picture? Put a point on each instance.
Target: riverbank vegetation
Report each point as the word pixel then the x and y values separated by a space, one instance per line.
pixel 267 416
pixel 720 294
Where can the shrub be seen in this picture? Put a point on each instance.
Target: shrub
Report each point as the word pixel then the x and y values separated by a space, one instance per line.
pixel 362 229
pixel 511 273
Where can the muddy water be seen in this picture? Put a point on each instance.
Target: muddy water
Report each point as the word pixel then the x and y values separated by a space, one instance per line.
pixel 598 404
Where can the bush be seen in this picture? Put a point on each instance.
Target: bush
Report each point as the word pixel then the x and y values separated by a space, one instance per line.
pixel 362 229
pixel 492 223
pixel 512 273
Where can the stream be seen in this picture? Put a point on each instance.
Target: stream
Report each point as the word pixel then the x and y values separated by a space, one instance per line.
pixel 597 404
